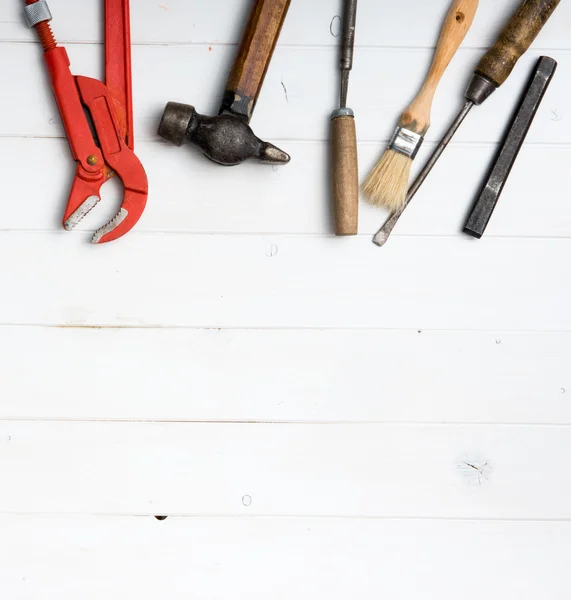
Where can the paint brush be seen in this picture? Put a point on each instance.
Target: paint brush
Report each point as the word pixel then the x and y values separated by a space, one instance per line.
pixel 387 185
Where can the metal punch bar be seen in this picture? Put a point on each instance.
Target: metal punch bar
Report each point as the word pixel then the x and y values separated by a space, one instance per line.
pixel 347 48
pixel 510 147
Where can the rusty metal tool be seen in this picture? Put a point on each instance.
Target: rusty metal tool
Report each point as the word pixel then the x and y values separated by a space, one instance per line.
pixel 344 158
pixel 107 150
pixel 492 71
pixel 531 101
pixel 227 138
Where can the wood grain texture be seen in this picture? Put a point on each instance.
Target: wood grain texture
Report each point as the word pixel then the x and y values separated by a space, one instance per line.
pixel 304 113
pixel 256 281
pixel 456 25
pixel 254 56
pixel 301 375
pixel 117 558
pixel 516 38
pixel 315 23
pixel 366 470
pixel 195 200
pixel 345 175
pixel 255 366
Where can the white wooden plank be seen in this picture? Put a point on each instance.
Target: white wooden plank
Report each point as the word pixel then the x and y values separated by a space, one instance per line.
pixel 381 23
pixel 311 79
pixel 323 376
pixel 94 558
pixel 422 422
pixel 191 194
pixel 287 281
pixel 464 472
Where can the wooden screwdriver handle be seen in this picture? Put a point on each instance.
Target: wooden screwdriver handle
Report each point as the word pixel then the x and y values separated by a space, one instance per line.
pixel 516 38
pixel 457 24
pixel 345 168
pixel 254 56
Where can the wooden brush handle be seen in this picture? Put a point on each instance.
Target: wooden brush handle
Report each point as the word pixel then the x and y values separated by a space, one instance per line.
pixel 516 38
pixel 457 24
pixel 254 57
pixel 345 167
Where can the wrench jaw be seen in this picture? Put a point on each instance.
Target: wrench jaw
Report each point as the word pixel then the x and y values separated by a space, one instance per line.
pixel 120 160
pixel 71 222
pixel 136 191
pixel 84 196
pixel 134 204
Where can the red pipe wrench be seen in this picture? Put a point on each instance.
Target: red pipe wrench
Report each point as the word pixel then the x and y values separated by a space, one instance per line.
pixel 103 145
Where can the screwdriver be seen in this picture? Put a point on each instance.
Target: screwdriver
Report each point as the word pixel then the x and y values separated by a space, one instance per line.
pixel 492 71
pixel 344 161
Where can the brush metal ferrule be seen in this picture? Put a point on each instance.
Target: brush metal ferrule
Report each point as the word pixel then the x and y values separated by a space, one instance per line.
pixel 406 142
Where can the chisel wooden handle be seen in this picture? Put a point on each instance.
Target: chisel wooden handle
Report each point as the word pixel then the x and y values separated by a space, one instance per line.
pixel 254 56
pixel 456 25
pixel 345 167
pixel 516 38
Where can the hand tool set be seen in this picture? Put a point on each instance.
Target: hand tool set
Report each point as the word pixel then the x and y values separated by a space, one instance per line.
pixel 98 117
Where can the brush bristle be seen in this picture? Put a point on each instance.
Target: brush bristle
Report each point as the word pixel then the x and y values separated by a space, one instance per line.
pixel 387 185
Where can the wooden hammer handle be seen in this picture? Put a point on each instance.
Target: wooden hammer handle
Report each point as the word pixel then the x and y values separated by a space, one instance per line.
pixel 457 24
pixel 516 38
pixel 345 175
pixel 254 57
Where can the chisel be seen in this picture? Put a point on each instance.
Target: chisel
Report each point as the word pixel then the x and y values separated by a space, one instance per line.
pixel 492 71
pixel 509 149
pixel 344 161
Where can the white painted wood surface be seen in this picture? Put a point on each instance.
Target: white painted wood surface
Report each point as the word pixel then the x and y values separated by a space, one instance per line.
pixel 318 418
pixel 307 558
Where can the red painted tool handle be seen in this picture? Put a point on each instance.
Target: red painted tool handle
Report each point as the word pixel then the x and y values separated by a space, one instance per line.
pixel 65 90
pixel 118 78
pixel 79 135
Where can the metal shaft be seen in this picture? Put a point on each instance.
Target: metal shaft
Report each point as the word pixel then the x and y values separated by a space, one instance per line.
pixel 118 74
pixel 384 233
pixel 347 47
pixel 509 149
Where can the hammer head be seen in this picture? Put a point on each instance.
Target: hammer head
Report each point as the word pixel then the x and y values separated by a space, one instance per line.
pixel 224 139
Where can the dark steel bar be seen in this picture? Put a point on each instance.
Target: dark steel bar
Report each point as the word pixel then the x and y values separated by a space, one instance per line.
pixel 510 147
pixel 347 47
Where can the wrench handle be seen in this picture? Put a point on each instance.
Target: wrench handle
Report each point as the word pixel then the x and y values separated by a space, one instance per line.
pixel 515 40
pixel 118 77
pixel 254 56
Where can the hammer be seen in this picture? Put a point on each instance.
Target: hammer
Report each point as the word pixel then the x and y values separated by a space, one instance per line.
pixel 228 139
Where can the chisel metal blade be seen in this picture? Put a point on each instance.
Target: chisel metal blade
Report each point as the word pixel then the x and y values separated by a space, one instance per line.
pixel 510 147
